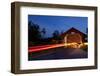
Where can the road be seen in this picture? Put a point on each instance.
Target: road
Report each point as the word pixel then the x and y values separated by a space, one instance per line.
pixel 60 52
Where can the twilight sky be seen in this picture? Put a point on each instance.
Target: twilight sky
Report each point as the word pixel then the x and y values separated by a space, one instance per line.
pixel 60 23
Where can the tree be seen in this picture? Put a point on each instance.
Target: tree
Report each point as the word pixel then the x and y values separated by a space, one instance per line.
pixel 56 34
pixel 34 33
pixel 86 38
pixel 43 31
pixel 61 32
pixel 87 31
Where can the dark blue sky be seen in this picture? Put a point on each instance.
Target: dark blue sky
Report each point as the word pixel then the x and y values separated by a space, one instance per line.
pixel 60 23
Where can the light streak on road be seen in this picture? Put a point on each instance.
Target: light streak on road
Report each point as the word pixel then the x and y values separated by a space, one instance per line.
pixel 45 47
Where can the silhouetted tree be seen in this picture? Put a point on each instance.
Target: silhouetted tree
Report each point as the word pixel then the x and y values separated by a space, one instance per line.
pixel 43 31
pixel 56 34
pixel 87 31
pixel 61 32
pixel 34 33
pixel 86 34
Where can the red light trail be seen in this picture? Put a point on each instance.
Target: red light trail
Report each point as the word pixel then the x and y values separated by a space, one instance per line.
pixel 44 47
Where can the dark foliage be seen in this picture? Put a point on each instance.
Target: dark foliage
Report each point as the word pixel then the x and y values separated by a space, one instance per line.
pixel 36 35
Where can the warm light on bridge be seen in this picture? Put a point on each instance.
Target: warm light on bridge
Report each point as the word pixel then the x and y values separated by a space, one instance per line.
pixel 75 45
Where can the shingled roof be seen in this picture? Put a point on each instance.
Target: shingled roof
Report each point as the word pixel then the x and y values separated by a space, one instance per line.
pixel 73 30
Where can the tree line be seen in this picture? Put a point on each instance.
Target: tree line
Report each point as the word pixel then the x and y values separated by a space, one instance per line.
pixel 36 35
